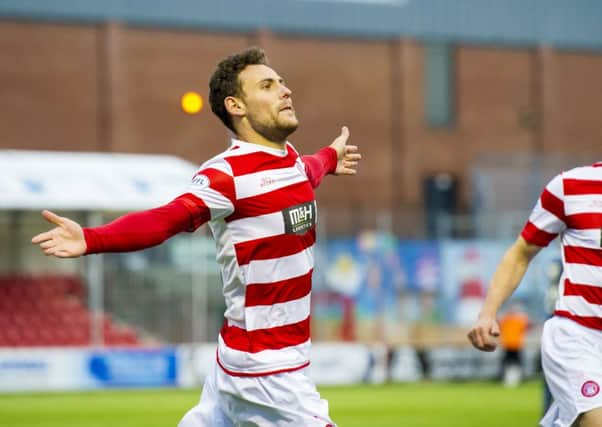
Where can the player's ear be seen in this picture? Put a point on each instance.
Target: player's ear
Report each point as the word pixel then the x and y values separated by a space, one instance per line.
pixel 235 106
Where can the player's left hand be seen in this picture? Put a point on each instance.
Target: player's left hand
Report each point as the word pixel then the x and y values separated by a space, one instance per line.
pixel 348 155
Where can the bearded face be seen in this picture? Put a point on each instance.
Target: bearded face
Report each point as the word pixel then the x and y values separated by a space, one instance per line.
pixel 268 103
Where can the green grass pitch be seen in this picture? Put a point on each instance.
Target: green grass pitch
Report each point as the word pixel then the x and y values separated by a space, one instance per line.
pixel 396 405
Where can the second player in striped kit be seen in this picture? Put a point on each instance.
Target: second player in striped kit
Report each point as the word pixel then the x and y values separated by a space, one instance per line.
pixel 570 206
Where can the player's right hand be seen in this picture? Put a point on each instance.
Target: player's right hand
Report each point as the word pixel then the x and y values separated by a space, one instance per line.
pixel 66 240
pixel 484 334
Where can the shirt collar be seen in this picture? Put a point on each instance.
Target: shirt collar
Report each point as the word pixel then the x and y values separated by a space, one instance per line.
pixel 258 147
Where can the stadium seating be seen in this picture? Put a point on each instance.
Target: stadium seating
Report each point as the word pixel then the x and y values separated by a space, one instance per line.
pixel 51 311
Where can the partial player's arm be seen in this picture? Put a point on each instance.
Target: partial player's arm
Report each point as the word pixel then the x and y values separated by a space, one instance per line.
pixel 134 231
pixel 338 158
pixel 546 221
pixel 506 279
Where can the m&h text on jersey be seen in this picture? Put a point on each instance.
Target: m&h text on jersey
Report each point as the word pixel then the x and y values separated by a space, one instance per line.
pixel 300 218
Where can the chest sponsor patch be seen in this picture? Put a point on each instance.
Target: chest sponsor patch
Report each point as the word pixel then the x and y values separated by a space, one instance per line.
pixel 299 218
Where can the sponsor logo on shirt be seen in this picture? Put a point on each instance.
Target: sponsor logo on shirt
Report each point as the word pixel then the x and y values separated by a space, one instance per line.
pixel 590 388
pixel 300 218
pixel 596 203
pixel 266 180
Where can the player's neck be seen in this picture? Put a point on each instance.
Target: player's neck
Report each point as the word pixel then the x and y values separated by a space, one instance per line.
pixel 253 137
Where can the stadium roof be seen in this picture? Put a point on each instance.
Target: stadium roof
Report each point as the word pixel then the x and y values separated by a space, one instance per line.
pixel 560 23
pixel 90 181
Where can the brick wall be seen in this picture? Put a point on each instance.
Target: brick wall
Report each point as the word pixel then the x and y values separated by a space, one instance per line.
pixel 117 88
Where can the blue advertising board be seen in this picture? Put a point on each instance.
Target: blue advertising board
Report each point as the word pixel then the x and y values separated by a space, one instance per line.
pixel 134 367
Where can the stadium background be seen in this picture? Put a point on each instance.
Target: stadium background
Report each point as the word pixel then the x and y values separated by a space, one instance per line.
pixel 462 110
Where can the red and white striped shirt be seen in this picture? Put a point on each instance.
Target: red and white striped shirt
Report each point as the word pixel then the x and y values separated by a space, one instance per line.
pixel 571 205
pixel 263 216
pixel 260 206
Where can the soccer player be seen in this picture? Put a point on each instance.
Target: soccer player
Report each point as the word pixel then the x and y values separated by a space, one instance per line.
pixel 258 198
pixel 569 206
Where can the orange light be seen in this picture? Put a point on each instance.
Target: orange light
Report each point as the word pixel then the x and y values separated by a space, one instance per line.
pixel 191 102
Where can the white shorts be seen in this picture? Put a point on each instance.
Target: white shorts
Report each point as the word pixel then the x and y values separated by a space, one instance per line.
pixel 571 357
pixel 286 399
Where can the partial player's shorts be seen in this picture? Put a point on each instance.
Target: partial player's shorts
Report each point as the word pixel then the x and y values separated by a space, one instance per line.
pixel 571 356
pixel 287 399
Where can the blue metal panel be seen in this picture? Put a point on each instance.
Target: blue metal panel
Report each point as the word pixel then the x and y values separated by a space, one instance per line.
pixel 562 23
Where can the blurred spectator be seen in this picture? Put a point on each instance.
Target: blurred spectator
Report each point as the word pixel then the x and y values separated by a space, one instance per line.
pixel 513 328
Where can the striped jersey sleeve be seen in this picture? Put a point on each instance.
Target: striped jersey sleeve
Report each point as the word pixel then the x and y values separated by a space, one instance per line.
pixel 214 185
pixel 548 218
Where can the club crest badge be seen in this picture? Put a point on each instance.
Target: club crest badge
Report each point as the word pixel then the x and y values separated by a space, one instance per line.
pixel 590 388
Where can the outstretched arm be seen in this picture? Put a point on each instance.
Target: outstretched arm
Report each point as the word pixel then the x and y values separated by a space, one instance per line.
pixel 338 158
pixel 130 232
pixel 506 279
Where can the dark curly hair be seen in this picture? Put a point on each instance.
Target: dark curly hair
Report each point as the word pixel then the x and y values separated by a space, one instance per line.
pixel 224 81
